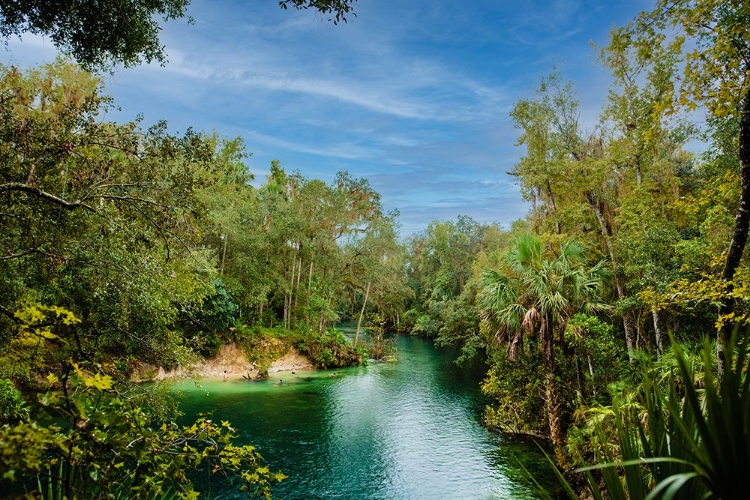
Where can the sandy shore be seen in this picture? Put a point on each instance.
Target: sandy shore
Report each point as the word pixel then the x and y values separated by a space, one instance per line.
pixel 233 360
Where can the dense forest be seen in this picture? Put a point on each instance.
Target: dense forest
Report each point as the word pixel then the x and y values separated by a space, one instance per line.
pixel 612 319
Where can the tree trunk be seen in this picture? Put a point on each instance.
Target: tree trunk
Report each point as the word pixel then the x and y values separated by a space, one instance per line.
pixel 299 274
pixel 309 280
pixel 309 293
pixel 552 403
pixel 361 314
pixel 291 292
pixel 657 331
pixel 739 236
pixel 553 410
pixel 606 229
pixel 286 309
pixel 552 398
pixel 591 373
pixel 553 204
pixel 223 254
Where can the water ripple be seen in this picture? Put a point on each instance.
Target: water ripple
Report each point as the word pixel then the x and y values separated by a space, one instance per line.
pixel 408 430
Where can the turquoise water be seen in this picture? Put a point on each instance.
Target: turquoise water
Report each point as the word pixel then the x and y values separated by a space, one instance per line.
pixel 406 430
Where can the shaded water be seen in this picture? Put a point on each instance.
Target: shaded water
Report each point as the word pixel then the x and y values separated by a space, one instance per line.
pixel 407 430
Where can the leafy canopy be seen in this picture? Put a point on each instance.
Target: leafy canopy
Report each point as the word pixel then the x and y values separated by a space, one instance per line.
pixel 101 35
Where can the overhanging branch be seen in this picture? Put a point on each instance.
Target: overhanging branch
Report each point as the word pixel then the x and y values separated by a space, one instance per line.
pixel 20 186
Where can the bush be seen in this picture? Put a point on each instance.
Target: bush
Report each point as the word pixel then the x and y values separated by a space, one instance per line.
pixel 12 405
pixel 100 442
pixel 517 392
pixel 425 326
pixel 681 438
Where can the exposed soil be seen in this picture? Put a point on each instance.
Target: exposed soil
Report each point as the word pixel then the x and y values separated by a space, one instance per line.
pixel 231 359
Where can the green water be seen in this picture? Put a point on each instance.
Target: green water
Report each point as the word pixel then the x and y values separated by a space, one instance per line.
pixel 407 430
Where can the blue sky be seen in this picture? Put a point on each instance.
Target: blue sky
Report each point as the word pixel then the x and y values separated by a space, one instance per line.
pixel 413 95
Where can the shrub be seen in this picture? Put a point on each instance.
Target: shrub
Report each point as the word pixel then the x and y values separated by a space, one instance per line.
pixel 12 405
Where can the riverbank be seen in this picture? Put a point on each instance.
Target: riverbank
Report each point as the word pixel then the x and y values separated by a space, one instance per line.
pixel 230 359
pixel 407 430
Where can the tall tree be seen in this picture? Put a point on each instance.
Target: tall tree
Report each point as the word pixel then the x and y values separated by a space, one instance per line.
pixel 642 153
pixel 550 133
pixel 99 217
pixel 714 37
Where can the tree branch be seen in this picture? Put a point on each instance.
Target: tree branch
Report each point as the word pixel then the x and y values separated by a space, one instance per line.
pixel 20 186
pixel 18 255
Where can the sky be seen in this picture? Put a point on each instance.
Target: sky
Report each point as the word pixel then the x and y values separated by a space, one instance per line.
pixel 413 95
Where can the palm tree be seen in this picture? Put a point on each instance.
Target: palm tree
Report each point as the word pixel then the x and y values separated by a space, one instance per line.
pixel 536 292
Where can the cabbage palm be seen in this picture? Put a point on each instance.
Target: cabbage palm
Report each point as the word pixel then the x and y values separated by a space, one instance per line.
pixel 694 442
pixel 536 292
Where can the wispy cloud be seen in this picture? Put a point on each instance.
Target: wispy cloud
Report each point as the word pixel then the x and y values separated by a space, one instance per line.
pixel 344 150
pixel 412 95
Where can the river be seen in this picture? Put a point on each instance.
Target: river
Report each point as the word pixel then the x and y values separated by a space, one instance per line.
pixel 406 430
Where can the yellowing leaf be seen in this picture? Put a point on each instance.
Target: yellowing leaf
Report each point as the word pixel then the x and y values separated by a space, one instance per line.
pixel 98 381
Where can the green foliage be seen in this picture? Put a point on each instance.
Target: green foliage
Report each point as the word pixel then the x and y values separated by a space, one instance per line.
pixel 338 8
pixel 96 34
pixel 597 352
pixel 683 437
pixel 219 310
pixel 102 35
pixel 516 388
pixel 379 346
pixel 425 326
pixel 299 253
pixel 331 349
pixel 12 404
pixel 460 327
pixel 98 443
pixel 206 329
pixel 102 218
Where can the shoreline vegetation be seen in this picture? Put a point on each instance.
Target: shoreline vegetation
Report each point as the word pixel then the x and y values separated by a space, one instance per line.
pixel 124 247
pixel 254 353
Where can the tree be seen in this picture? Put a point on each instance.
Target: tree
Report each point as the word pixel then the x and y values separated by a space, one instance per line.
pixel 101 218
pixel 538 294
pixel 716 76
pixel 103 34
pixel 97 34
pixel 549 130
pixel 93 437
pixel 440 268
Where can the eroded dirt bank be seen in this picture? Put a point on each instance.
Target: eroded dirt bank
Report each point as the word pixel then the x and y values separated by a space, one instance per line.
pixel 231 359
